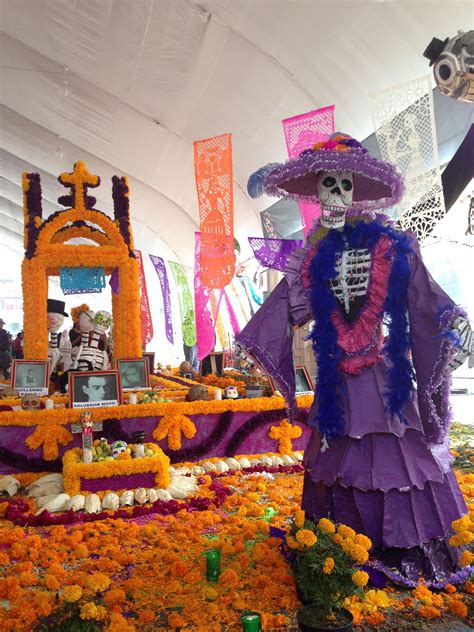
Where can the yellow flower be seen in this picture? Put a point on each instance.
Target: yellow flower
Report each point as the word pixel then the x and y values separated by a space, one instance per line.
pixel 363 540
pixel 71 593
pixel 306 537
pixel 346 531
pixel 360 578
pixel 299 518
pixel 377 598
pixel 98 582
pixel 466 558
pixel 88 611
pixel 328 566
pixel 326 525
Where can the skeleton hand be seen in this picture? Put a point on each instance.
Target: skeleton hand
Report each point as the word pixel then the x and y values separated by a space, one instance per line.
pixel 464 346
pixel 244 361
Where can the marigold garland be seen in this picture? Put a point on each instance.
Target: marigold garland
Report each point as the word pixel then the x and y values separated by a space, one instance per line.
pixel 48 435
pixel 173 426
pixel 70 415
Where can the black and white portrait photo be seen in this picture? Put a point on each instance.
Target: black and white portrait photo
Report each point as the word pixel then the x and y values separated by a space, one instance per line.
pixel 94 389
pixel 134 374
pixel 30 377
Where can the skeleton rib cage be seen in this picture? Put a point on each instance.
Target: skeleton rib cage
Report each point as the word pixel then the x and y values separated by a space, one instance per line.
pixel 352 280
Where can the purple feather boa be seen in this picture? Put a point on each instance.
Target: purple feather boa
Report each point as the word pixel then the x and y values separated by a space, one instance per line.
pixel 359 234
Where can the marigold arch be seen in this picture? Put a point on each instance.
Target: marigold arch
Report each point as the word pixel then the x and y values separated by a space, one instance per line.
pixel 46 253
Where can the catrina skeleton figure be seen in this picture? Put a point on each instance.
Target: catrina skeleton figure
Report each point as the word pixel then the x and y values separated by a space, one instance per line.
pixel 378 458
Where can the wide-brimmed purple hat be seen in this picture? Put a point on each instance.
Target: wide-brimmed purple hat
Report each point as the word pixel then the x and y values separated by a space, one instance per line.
pixel 377 184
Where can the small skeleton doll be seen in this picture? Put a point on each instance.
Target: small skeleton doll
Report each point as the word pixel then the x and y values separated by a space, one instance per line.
pixel 55 318
pixel 91 357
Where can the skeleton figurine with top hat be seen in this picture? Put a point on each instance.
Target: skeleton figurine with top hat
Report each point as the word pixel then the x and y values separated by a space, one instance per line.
pixel 55 316
pixel 375 453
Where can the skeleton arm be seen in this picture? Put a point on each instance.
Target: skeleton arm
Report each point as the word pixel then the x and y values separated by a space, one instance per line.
pixel 464 347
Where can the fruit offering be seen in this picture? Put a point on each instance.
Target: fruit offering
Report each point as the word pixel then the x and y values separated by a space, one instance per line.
pixel 151 397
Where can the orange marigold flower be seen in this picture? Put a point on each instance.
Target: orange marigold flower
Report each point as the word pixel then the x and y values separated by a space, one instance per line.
pixel 337 539
pixel 458 608
pixel 51 582
pixel 469 588
pixel 306 537
pixel 429 612
pixel 360 578
pixel 454 541
pixel 291 542
pixel 229 578
pixel 363 540
pixel 326 525
pixel 465 537
pixel 328 566
pixel 210 594
pixel 175 620
pixel 299 518
pixel 345 531
pixel 71 593
pixel 376 618
pixel 114 597
pixel 462 524
pixel 450 589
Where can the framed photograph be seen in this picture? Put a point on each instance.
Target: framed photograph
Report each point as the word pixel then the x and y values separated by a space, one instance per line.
pixel 213 363
pixel 151 360
pixel 134 374
pixel 303 383
pixel 31 376
pixel 94 389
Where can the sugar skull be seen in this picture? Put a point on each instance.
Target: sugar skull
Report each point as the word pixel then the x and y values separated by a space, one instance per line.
pixel 118 447
pixel 30 401
pixel 335 189
pixel 231 392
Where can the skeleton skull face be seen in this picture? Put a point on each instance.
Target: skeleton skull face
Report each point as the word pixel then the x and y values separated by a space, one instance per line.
pixel 102 321
pixel 55 321
pixel 335 190
pixel 86 321
pixel 118 447
pixel 30 401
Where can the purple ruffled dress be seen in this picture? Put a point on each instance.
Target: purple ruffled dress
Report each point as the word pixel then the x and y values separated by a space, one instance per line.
pixel 388 478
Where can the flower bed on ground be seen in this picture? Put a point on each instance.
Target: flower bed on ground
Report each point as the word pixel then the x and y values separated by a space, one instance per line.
pixel 145 571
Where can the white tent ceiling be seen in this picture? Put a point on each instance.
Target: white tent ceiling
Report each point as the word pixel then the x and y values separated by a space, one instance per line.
pixel 127 85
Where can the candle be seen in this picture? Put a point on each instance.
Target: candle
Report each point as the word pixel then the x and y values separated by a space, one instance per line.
pixel 213 562
pixel 87 455
pixel 251 622
pixel 49 404
pixel 217 393
pixel 132 398
pixel 139 450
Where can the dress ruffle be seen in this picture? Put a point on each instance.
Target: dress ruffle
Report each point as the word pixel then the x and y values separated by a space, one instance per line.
pixel 378 461
pixel 401 519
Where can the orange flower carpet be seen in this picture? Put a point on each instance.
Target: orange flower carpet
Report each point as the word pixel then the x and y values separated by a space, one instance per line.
pixel 148 572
